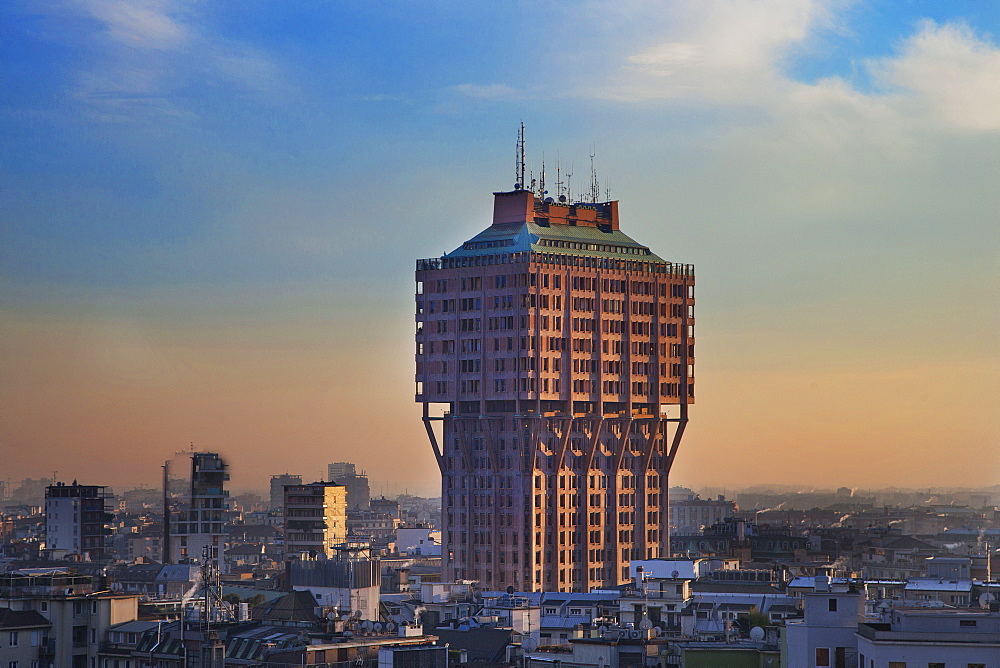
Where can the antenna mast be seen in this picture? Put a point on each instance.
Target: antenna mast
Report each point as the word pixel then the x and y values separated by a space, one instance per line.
pixel 595 186
pixel 519 166
pixel 541 180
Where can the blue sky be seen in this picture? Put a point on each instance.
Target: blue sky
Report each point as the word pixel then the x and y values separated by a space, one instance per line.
pixel 210 214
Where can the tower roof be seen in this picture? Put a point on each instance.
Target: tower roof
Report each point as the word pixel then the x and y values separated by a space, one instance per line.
pixel 521 223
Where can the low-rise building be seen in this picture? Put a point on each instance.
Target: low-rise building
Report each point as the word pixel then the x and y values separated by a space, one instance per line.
pixel 826 635
pixel 24 638
pixel 79 616
pixel 949 592
pixel 931 637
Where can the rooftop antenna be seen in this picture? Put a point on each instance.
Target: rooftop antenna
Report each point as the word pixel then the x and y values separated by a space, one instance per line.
pixel 595 188
pixel 569 185
pixel 541 180
pixel 519 170
pixel 559 182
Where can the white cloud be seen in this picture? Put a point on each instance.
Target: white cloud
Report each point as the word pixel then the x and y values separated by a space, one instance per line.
pixel 948 72
pixel 706 50
pixel 736 54
pixel 137 24
pixel 150 54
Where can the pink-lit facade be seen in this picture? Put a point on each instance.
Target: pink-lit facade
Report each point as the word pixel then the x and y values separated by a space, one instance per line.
pixel 555 365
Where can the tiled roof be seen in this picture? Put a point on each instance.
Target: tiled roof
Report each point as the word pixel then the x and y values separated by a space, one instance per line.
pixel 21 619
pixel 481 644
pixel 555 239
pixel 296 606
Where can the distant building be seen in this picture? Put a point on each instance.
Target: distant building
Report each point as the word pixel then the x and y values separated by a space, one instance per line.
pixel 348 581
pixel 278 483
pixel 949 567
pixel 346 474
pixel 954 592
pixel 415 656
pixel 420 540
pixel 379 529
pixel 688 515
pixel 315 518
pixel 197 533
pixel 386 506
pixel 76 520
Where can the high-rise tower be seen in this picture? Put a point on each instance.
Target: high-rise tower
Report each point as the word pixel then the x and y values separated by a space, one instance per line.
pixel 76 520
pixel 196 523
pixel 558 354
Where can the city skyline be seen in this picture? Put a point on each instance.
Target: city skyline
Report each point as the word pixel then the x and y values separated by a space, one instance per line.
pixel 211 219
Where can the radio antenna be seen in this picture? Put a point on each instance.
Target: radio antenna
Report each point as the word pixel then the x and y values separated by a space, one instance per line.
pixel 559 181
pixel 519 165
pixel 595 186
pixel 541 180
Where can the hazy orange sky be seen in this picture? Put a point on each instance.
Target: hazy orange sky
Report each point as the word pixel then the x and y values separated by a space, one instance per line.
pixel 210 217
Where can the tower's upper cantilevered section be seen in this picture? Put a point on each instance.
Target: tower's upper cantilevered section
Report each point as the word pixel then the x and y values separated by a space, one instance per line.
pixel 594 318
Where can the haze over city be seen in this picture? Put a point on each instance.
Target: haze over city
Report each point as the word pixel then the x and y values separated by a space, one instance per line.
pixel 211 215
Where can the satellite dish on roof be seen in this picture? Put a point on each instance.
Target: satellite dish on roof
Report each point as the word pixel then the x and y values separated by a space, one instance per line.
pixel 510 589
pixel 357 614
pixel 344 618
pixel 985 599
pixel 757 633
pixel 367 625
pixel 529 644
pixel 645 624
pixel 675 574
pixel 603 630
pixel 562 198
pixel 378 626
pixel 390 626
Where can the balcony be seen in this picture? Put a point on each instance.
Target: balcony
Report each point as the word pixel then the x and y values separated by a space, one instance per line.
pixel 47 649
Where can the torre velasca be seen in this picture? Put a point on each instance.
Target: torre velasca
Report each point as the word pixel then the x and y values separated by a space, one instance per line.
pixel 555 365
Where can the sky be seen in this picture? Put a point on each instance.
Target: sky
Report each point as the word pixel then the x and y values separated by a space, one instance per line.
pixel 210 213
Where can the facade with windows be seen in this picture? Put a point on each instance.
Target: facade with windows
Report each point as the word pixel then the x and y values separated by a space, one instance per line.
pixel 555 366
pixel 23 639
pixel 197 528
pixel 76 521
pixel 931 638
pixel 315 518
pixel 825 638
